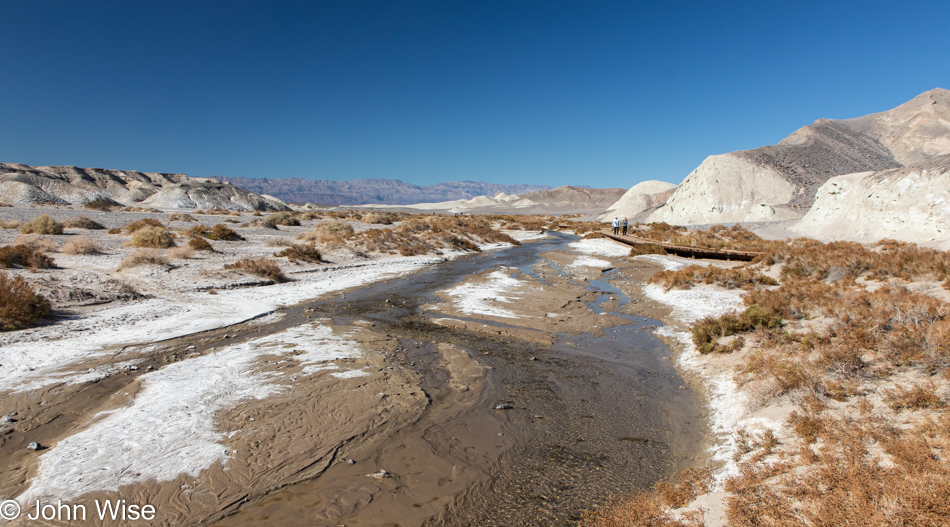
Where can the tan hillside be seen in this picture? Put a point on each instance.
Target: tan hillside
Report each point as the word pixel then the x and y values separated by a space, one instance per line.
pixel 562 200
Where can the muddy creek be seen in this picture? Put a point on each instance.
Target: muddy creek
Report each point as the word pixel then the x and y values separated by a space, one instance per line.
pixel 557 430
pixel 519 386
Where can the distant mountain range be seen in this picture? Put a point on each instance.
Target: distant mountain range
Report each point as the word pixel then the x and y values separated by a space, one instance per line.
pixel 371 191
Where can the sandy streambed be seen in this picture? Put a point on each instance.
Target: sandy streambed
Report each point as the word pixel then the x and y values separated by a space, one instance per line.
pixel 373 407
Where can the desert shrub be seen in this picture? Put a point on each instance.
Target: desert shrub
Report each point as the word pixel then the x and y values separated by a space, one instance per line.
pixel 709 330
pixel 178 216
pixel 24 256
pixel 80 245
pixel 115 231
pixel 145 222
pixel 222 233
pixel 379 218
pixel 152 237
pixel 646 248
pixel 20 306
pixel 42 225
pixel 642 509
pixel 37 243
pixel 259 266
pixel 329 232
pixel 101 203
pixel 918 396
pixel 688 484
pixel 82 222
pixel 143 257
pixel 285 218
pixel 594 235
pixel 181 253
pixel 260 224
pixel 9 224
pixel 200 244
pixel 735 278
pixel 310 215
pixel 300 252
pixel 218 232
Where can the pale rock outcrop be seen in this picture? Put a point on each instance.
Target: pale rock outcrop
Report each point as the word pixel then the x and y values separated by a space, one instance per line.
pixel 910 204
pixel 638 202
pixel 780 181
pixel 728 188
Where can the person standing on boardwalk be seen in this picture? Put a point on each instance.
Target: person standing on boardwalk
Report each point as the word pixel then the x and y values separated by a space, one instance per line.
pixel 616 225
pixel 624 225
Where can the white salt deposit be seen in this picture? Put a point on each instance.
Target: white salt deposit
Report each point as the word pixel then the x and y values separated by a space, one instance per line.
pixel 168 429
pixel 482 298
pixel 44 358
pixel 728 411
pixel 601 247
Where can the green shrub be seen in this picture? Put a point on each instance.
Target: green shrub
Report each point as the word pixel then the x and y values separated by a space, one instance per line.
pixel 710 329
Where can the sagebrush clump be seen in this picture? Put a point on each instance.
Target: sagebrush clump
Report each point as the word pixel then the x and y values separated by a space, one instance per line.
pixel 264 267
pixel 152 237
pixel 42 225
pixel 300 252
pixel 80 245
pixel 144 257
pixel 20 306
pixel 82 222
pixel 24 256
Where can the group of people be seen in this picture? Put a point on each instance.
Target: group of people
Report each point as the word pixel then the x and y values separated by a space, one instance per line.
pixel 618 224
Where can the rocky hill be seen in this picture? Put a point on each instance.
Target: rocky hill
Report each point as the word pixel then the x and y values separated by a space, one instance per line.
pixel 908 204
pixel 69 185
pixel 780 181
pixel 372 191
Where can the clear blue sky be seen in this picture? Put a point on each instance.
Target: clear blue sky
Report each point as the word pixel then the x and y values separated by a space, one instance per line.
pixel 605 94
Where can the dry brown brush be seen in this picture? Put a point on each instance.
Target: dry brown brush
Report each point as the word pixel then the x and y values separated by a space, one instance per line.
pixel 20 306
pixel 264 267
pixel 867 361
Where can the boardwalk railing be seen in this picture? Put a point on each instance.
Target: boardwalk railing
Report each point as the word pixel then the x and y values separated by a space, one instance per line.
pixel 682 250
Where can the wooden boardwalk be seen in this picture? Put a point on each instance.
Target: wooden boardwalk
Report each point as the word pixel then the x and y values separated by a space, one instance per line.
pixel 681 250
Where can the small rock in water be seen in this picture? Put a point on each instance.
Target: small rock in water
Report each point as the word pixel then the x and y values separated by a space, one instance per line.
pixel 351 461
pixel 34 446
pixel 505 406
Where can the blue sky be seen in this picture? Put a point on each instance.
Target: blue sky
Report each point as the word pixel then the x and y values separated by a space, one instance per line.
pixel 605 94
